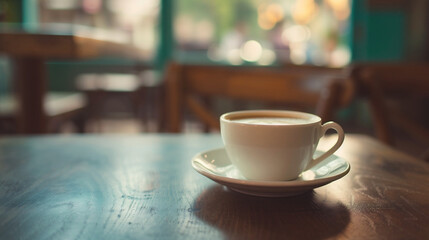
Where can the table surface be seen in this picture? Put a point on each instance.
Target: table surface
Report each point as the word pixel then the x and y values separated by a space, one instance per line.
pixel 68 42
pixel 143 187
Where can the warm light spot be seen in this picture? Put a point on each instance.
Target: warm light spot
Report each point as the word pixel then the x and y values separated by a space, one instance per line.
pixel 296 34
pixel 304 11
pixel 251 51
pixel 341 8
pixel 340 57
pixel 274 13
pixel 269 15
pixel 264 22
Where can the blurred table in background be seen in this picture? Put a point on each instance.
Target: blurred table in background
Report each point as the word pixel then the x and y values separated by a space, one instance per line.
pixel 30 50
pixel 143 187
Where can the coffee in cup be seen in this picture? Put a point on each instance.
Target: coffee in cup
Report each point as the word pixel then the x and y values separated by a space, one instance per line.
pixel 274 145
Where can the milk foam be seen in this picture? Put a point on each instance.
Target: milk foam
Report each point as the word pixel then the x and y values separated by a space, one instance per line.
pixel 272 121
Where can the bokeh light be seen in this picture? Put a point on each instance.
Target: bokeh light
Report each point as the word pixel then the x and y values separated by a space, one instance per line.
pixel 266 31
pixel 341 8
pixel 304 11
pixel 296 34
pixel 269 15
pixel 251 51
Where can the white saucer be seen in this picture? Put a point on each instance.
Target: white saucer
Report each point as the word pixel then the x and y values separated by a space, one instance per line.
pixel 216 165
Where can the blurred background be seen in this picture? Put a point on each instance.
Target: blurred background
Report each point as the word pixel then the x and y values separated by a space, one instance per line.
pixel 326 33
pixel 319 32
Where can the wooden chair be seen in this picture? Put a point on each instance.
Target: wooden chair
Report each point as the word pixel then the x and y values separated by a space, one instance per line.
pixel 191 88
pixel 135 93
pixel 398 96
pixel 60 108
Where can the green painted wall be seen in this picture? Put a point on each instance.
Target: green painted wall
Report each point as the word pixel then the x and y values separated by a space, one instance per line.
pixel 166 36
pixel 377 34
pixel 386 33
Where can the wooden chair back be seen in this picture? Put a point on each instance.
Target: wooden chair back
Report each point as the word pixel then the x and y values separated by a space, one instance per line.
pixel 190 87
pixel 398 94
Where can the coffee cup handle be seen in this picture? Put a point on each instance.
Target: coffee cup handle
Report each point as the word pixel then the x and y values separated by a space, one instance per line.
pixel 340 140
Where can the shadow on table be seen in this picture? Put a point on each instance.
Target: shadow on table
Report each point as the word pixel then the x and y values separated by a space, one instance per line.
pixel 238 216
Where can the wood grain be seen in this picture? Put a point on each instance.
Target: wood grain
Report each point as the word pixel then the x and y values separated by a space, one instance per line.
pixel 143 187
pixel 64 46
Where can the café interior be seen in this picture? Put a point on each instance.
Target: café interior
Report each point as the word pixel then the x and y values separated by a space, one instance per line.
pixel 360 63
pixel 104 102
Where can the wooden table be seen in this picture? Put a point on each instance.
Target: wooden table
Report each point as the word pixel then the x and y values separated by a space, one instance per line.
pixel 143 187
pixel 30 50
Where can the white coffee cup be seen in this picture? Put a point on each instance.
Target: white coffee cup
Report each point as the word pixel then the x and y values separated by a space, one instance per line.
pixel 272 145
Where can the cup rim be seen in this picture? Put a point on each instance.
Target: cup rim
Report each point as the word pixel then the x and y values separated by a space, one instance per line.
pixel 229 117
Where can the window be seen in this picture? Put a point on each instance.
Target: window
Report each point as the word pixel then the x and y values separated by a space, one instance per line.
pixel 134 21
pixel 264 32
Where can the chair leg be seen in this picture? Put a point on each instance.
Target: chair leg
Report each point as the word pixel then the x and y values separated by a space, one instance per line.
pixel 80 123
pixel 380 115
pixel 139 99
pixel 425 156
pixel 95 101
